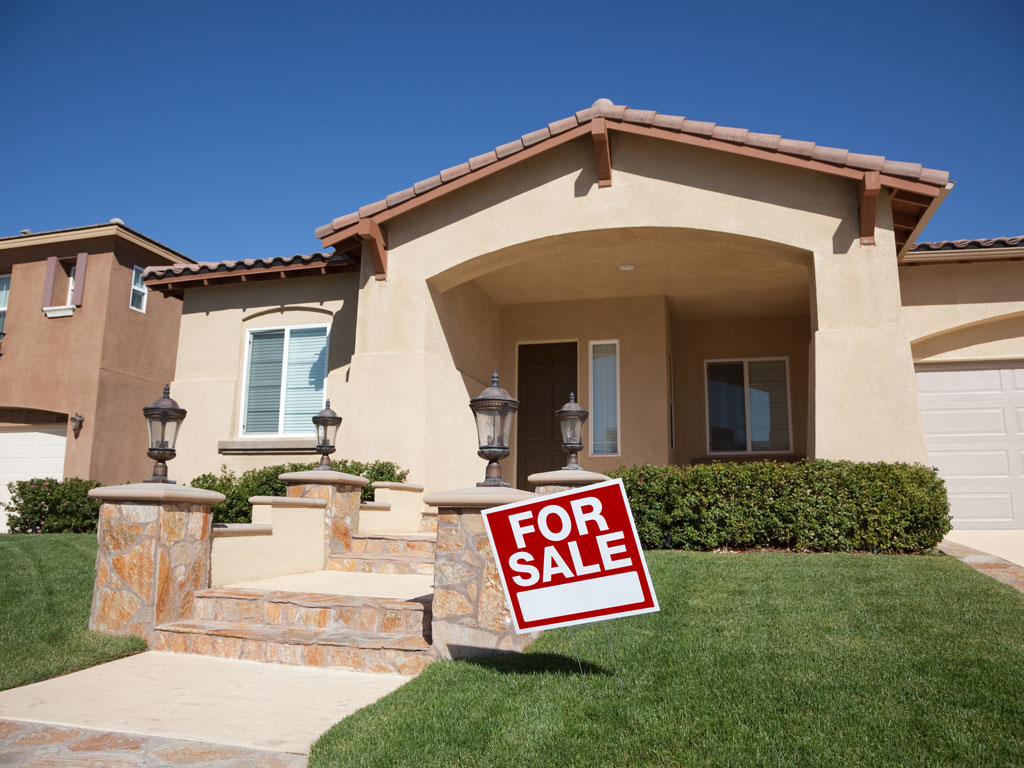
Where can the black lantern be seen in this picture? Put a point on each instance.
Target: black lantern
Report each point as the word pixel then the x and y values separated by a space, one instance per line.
pixel 494 408
pixel 570 421
pixel 164 419
pixel 326 423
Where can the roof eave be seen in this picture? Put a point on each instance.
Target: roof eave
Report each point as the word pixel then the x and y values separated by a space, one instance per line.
pixel 93 231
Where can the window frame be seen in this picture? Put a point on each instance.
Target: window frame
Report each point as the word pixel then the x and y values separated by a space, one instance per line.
pixel 5 307
pixel 244 399
pixel 746 406
pixel 143 290
pixel 618 397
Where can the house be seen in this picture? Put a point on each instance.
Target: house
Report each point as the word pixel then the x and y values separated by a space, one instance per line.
pixel 83 347
pixel 708 292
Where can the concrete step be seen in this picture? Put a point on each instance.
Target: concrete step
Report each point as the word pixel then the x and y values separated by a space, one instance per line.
pixel 328 647
pixel 359 562
pixel 311 610
pixel 414 544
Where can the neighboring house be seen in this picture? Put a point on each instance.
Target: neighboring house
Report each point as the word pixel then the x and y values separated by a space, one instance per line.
pixel 708 293
pixel 85 346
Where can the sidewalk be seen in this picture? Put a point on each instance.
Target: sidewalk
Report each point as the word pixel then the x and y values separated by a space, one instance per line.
pixel 999 554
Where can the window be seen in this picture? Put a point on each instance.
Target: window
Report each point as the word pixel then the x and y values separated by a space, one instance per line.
pixel 604 388
pixel 138 298
pixel 5 292
pixel 748 406
pixel 71 286
pixel 284 383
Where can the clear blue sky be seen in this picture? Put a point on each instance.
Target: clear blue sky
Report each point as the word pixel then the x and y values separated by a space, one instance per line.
pixel 234 129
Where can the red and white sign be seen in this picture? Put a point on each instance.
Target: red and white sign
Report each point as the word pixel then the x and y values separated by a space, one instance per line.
pixel 570 558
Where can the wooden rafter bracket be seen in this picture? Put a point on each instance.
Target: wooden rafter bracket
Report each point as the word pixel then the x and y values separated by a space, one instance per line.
pixel 370 232
pixel 602 151
pixel 867 201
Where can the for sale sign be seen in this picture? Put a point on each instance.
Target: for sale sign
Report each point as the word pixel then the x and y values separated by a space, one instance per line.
pixel 570 558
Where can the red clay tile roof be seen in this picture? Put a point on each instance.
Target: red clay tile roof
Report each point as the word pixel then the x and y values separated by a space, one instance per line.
pixel 957 245
pixel 177 277
pixel 617 113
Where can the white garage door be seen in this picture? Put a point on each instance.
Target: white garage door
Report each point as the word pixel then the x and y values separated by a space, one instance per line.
pixel 974 425
pixel 27 452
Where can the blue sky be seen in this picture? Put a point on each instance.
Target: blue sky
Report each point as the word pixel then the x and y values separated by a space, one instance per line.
pixel 232 130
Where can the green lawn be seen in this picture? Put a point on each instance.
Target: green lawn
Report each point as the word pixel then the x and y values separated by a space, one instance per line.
pixel 45 592
pixel 754 660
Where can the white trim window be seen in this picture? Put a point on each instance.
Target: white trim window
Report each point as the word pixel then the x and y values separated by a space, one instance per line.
pixel 285 371
pixel 137 301
pixel 748 405
pixel 71 286
pixel 5 293
pixel 604 398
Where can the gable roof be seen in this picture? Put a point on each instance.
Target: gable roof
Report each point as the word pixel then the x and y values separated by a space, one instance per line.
pixel 113 227
pixel 916 186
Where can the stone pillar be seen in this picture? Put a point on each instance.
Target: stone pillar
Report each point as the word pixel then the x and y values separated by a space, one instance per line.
pixel 341 492
pixel 470 613
pixel 154 553
pixel 564 480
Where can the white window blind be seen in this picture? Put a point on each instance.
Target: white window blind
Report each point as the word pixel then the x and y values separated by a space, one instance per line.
pixel 5 292
pixel 138 297
pixel 604 385
pixel 285 381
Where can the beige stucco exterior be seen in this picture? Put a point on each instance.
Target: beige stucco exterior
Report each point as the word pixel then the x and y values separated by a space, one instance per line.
pixel 732 257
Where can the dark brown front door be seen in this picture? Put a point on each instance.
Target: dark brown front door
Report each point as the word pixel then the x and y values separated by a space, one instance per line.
pixel 547 374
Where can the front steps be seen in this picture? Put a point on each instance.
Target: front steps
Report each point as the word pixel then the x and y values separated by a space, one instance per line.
pixel 364 633
pixel 390 553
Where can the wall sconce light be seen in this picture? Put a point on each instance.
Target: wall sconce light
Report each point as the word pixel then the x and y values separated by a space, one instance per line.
pixel 76 424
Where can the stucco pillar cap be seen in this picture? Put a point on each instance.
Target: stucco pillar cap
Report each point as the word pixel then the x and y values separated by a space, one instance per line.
pixel 476 497
pixel 323 477
pixel 156 493
pixel 571 477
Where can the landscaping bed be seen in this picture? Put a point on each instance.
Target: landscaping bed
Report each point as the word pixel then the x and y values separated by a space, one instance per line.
pixel 755 659
pixel 45 593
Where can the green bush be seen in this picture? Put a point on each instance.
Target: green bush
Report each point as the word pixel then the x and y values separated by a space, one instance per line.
pixel 48 505
pixel 264 482
pixel 817 505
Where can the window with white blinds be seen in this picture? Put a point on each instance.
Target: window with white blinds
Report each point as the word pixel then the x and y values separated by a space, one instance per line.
pixel 5 292
pixel 284 386
pixel 604 398
pixel 748 406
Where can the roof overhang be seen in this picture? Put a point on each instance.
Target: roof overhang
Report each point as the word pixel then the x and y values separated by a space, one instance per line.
pixel 91 232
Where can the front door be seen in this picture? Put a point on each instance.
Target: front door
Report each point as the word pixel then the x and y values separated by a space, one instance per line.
pixel 547 374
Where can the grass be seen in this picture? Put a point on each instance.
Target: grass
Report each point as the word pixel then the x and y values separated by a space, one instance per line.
pixel 754 660
pixel 45 593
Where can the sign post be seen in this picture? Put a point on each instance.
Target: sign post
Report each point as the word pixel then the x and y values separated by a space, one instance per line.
pixel 570 558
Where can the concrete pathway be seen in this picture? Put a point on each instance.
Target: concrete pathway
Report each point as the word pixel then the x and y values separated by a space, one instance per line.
pixel 1009 545
pixel 247 704
pixel 1001 569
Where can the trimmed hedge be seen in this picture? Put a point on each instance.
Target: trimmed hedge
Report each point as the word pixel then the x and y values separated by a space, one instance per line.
pixel 48 505
pixel 264 482
pixel 815 505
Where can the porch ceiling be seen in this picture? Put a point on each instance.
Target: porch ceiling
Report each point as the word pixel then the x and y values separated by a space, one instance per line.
pixel 702 274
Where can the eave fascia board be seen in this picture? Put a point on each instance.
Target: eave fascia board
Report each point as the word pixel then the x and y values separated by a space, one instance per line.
pixel 923 221
pixel 89 233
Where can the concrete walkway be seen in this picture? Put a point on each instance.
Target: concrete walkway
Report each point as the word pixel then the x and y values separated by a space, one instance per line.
pixel 1008 545
pixel 247 704
pixel 986 561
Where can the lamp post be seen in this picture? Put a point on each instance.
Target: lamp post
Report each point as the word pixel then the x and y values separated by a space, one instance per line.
pixel 164 419
pixel 326 423
pixel 570 421
pixel 494 409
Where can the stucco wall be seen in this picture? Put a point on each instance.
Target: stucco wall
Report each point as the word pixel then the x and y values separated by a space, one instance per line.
pixel 209 375
pixel 962 312
pixel 697 341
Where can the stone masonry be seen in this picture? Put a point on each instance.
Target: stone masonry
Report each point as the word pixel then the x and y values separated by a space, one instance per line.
pixel 154 554
pixel 341 492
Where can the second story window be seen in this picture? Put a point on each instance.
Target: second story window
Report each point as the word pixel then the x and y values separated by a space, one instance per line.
pixel 5 292
pixel 138 298
pixel 71 287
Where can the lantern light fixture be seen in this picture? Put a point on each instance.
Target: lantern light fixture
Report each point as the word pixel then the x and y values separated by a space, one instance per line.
pixel 494 409
pixel 164 419
pixel 326 423
pixel 571 417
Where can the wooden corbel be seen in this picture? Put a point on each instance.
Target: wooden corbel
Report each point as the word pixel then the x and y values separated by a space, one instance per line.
pixel 369 231
pixel 867 201
pixel 602 151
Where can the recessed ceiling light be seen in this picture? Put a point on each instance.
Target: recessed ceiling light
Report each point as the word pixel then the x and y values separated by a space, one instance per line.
pixel 627 267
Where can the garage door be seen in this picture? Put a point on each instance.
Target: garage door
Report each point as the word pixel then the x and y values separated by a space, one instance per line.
pixel 974 426
pixel 27 452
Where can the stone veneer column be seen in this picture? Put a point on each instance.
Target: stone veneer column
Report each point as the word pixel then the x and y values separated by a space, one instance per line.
pixel 564 480
pixel 341 492
pixel 154 553
pixel 470 614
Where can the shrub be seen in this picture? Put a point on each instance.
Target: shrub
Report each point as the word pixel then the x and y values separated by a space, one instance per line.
pixel 48 505
pixel 265 482
pixel 818 505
